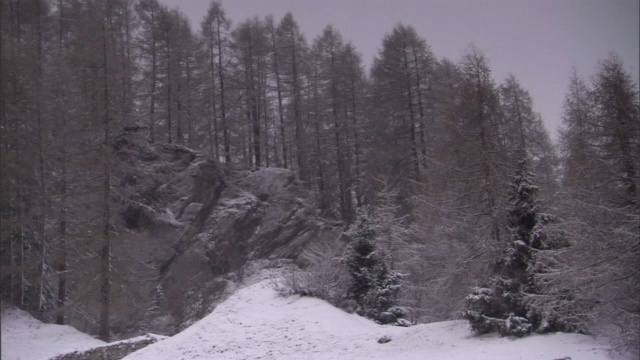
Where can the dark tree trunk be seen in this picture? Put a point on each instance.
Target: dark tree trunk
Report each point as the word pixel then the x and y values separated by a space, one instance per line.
pixel 412 124
pixel 225 129
pixel 421 122
pixel 105 264
pixel 62 266
pixel 297 113
pixel 280 107
pixel 169 126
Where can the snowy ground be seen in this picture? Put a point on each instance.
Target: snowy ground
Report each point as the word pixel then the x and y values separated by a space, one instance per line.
pixel 25 338
pixel 257 323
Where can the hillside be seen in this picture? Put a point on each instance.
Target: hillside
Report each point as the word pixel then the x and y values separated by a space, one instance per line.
pixel 258 323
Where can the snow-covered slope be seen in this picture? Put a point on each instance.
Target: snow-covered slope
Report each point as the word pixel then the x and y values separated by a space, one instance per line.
pixel 26 338
pixel 257 323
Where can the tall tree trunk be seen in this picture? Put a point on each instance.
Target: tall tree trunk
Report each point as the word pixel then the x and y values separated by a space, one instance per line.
pixel 324 200
pixel 42 221
pixel 279 91
pixel 189 99
pixel 62 266
pixel 21 290
pixel 169 126
pixel 213 121
pixel 412 121
pixel 356 140
pixel 421 122
pixel 62 229
pixel 255 121
pixel 249 135
pixel 486 163
pixel 105 265
pixel 21 217
pixel 297 111
pixel 225 128
pixel 154 75
pixel 265 110
pixel 18 156
pixel 522 151
pixel 123 41
pixel 179 135
pixel 345 191
pixel 127 70
pixel 5 153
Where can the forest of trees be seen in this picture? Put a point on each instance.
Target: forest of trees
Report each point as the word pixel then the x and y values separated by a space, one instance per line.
pixel 429 144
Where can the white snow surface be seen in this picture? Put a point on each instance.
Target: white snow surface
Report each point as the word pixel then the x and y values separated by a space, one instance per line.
pixel 26 338
pixel 258 323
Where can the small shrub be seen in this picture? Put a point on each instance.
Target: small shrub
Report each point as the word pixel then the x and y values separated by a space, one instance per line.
pixel 325 279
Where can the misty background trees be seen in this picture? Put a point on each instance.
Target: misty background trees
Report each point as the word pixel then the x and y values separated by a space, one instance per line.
pixel 429 143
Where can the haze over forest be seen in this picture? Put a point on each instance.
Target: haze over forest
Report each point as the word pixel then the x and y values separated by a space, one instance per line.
pixel 150 163
pixel 539 41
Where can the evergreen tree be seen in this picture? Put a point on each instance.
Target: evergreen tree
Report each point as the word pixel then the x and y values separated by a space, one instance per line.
pixel 374 287
pixel 503 306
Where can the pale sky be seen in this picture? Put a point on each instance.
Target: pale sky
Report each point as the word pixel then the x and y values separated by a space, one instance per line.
pixel 539 41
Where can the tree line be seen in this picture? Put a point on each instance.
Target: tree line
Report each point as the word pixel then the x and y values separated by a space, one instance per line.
pixel 431 143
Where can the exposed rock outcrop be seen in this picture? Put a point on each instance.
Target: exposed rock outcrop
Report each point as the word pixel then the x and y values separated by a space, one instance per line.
pixel 190 228
pixel 263 214
pixel 113 351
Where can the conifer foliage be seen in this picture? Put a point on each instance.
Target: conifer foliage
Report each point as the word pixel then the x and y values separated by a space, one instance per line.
pixel 503 306
pixel 374 287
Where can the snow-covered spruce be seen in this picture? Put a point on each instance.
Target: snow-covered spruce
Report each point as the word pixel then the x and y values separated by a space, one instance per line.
pixel 505 305
pixel 374 287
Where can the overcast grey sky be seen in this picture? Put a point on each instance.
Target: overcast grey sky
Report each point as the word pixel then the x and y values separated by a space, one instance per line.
pixel 539 41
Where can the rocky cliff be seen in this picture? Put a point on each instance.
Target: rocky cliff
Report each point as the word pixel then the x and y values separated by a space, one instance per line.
pixel 190 229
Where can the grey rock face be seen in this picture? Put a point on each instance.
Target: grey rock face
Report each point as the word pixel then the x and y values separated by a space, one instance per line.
pixel 190 212
pixel 197 227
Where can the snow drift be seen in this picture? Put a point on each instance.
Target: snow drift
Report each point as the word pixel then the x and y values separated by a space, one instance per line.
pixel 258 323
pixel 26 338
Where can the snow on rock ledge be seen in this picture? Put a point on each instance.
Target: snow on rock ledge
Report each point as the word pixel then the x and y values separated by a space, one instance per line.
pixel 113 351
